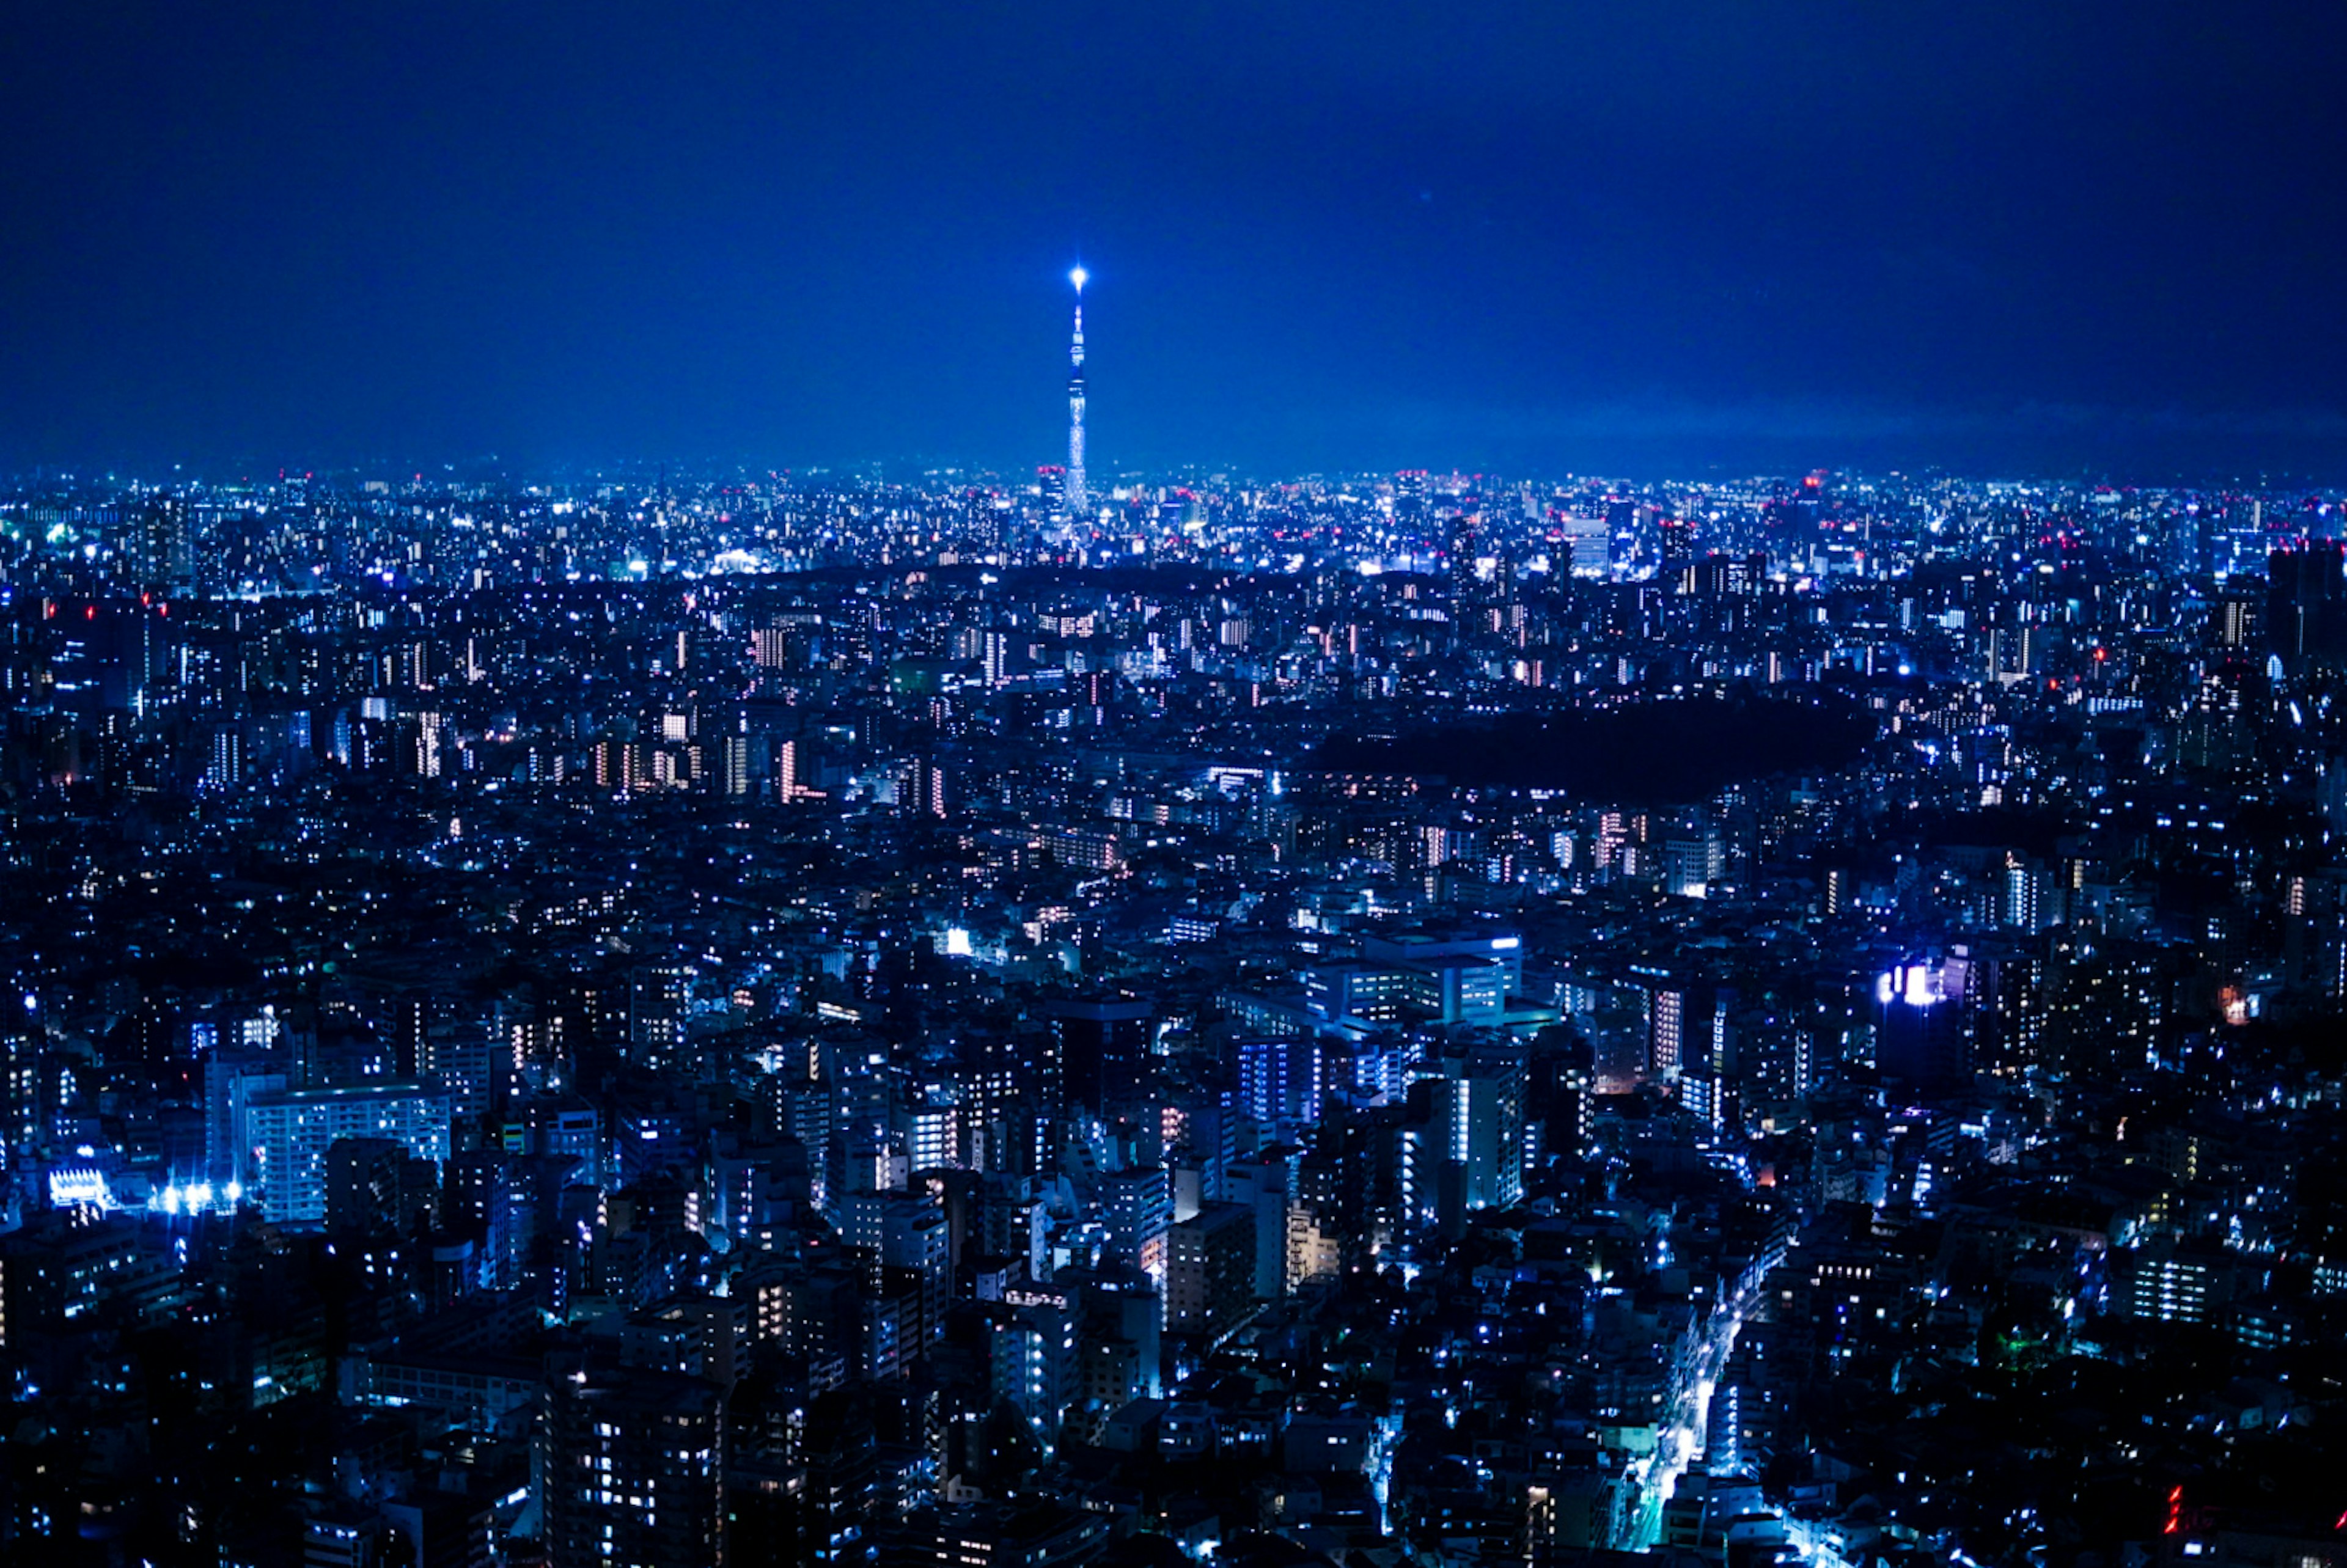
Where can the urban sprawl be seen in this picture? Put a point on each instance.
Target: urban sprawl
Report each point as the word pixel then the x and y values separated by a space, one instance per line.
pixel 1399 1020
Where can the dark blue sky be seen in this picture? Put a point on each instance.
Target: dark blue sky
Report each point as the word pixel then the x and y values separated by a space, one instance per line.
pixel 2023 237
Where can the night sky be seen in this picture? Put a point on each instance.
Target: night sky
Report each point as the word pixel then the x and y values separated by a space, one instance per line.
pixel 2028 238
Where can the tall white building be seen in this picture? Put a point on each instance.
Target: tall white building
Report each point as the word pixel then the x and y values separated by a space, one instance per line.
pixel 283 1138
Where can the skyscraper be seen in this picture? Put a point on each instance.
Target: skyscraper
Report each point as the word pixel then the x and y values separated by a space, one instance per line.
pixel 1077 497
pixel 284 1137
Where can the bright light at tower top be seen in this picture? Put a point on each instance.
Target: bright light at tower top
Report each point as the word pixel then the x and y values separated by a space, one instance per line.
pixel 1077 278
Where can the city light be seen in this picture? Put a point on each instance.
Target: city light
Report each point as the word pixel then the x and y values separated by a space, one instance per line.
pixel 1336 979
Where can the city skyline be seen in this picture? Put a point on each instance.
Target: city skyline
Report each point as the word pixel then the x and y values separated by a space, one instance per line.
pixel 1632 855
pixel 813 1021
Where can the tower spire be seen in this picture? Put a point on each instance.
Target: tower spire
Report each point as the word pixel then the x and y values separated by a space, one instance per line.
pixel 1078 498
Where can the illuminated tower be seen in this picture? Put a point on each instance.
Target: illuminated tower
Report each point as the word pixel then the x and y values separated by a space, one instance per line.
pixel 1077 497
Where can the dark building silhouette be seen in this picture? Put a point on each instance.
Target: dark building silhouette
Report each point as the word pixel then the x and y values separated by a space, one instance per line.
pixel 634 1466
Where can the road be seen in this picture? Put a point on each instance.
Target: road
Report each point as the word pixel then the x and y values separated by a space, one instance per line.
pixel 1693 1378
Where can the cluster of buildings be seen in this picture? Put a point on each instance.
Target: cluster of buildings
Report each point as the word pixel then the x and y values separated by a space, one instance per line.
pixel 1405 1020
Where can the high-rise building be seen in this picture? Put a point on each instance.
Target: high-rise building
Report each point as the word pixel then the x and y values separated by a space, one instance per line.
pixel 1101 1046
pixel 375 1184
pixel 634 1466
pixel 659 997
pixel 900 1235
pixel 1475 1116
pixel 1919 1040
pixel 1668 1005
pixel 1281 1082
pixel 1264 1184
pixel 285 1139
pixel 922 790
pixel 2168 1282
pixel 1137 1210
pixel 1210 1273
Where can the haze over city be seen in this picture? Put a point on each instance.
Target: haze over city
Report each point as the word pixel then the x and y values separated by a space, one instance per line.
pixel 997 786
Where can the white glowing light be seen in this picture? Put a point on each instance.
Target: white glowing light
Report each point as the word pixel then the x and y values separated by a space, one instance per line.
pixel 1079 277
pixel 74 1188
pixel 1919 988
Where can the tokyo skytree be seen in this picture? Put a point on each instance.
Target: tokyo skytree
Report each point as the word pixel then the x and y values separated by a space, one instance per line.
pixel 1077 499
